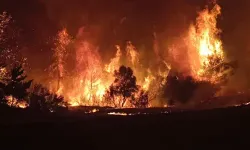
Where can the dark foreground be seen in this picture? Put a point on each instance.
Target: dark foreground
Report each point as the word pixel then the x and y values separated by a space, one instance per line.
pixel 217 129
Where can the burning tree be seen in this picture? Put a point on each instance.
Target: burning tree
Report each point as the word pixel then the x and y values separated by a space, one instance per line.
pixel 124 85
pixel 221 72
pixel 206 64
pixel 60 55
pixel 205 48
pixel 125 88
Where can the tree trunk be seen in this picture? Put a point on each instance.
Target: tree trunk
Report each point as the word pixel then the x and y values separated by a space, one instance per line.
pixel 114 101
pixel 124 100
pixel 59 79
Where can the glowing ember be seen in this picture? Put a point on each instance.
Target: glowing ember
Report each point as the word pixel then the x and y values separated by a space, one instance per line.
pixel 92 111
pixel 118 114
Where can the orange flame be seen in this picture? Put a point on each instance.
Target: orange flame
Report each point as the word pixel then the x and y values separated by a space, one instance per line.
pixel 115 62
pixel 88 85
pixel 60 53
pixel 206 49
pixel 13 102
pixel 91 78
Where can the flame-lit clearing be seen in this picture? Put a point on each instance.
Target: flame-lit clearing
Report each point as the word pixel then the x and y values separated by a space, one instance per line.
pixel 205 47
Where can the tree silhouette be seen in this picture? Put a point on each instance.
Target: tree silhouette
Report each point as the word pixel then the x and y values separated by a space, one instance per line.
pixel 41 99
pixel 16 86
pixel 141 101
pixel 124 85
pixel 182 89
pixel 55 102
pixel 179 88
pixel 186 89
pixel 171 87
pixel 124 88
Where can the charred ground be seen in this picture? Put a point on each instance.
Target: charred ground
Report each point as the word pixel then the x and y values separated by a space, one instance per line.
pixel 188 129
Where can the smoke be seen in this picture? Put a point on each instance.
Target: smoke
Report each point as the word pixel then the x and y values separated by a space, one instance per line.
pixel 235 36
pixel 120 20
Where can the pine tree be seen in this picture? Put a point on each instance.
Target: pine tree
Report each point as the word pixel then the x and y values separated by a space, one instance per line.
pixel 16 86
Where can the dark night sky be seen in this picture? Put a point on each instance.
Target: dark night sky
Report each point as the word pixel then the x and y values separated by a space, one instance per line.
pixel 40 20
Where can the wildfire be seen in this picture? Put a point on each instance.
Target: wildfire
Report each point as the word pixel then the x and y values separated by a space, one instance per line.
pixel 87 82
pixel 205 47
pixel 92 78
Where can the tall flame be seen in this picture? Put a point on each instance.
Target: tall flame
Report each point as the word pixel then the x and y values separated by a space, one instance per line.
pixel 132 54
pixel 205 50
pixel 91 77
pixel 88 80
pixel 60 54
pixel 115 62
